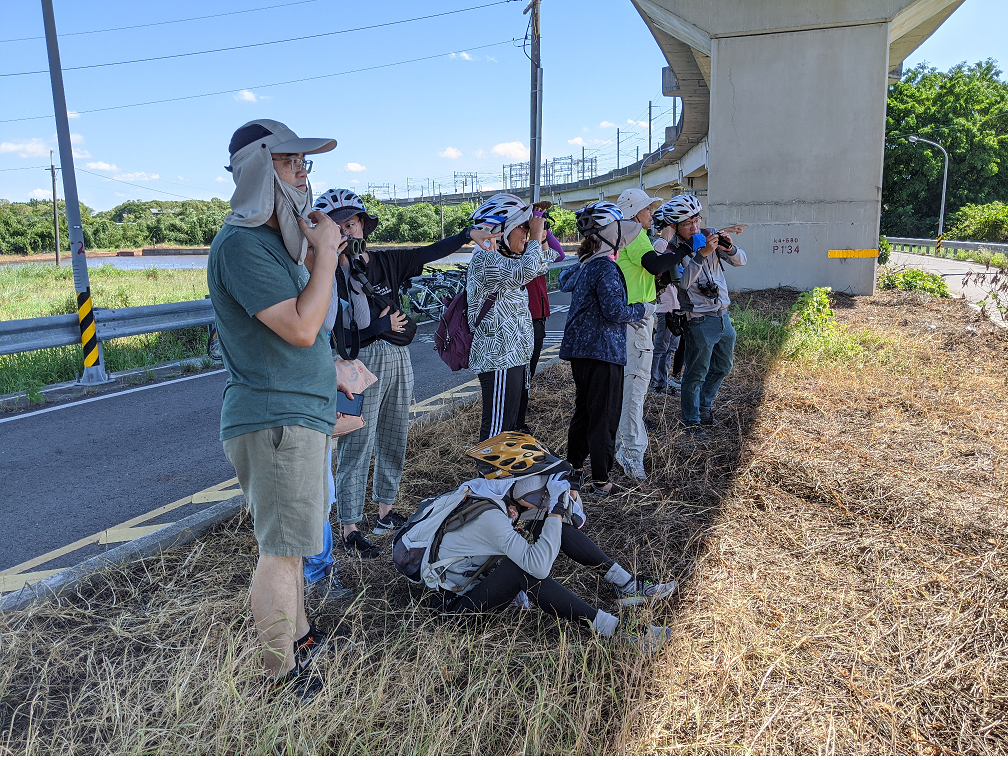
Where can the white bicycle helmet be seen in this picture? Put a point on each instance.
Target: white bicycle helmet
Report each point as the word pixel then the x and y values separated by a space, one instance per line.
pixel 597 215
pixel 503 212
pixel 340 204
pixel 678 209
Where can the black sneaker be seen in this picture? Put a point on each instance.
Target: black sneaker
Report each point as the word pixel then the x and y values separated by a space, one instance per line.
pixel 355 543
pixel 392 521
pixel 707 419
pixel 595 491
pixel 303 682
pixel 317 642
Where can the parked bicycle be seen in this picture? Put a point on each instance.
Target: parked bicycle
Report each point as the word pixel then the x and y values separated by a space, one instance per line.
pixel 429 293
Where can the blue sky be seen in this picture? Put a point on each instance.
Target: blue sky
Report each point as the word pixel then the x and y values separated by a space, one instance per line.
pixel 462 109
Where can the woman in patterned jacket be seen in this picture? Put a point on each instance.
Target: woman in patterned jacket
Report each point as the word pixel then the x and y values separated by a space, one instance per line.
pixel 503 340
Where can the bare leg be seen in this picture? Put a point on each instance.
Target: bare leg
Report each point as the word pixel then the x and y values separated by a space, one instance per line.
pixel 278 608
pixel 348 529
pixel 384 509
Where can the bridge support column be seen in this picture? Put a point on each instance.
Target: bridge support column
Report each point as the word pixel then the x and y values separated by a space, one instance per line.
pixel 797 128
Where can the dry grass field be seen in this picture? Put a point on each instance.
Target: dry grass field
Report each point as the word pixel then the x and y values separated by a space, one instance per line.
pixel 840 543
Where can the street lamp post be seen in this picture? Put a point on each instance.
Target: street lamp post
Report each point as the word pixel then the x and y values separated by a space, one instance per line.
pixel 913 140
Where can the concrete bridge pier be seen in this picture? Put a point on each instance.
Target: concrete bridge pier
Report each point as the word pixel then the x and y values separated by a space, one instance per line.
pixel 797 124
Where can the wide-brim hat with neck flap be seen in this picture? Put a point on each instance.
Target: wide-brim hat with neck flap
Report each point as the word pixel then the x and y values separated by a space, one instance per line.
pixel 278 138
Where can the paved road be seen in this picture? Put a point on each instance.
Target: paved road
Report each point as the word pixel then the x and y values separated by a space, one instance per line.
pixel 950 270
pixel 70 472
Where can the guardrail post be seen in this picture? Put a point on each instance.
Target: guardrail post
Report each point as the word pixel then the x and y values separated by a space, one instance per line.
pixel 94 359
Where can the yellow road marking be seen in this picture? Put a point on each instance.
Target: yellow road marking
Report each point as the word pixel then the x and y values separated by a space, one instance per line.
pixel 95 538
pixel 206 497
pixel 17 582
pixel 120 535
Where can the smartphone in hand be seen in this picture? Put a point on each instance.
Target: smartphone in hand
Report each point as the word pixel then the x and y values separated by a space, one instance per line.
pixel 352 407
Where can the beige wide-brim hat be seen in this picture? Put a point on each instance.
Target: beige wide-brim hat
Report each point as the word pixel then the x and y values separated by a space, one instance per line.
pixel 631 201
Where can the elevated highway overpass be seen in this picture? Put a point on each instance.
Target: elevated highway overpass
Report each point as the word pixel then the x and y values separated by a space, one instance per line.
pixel 782 127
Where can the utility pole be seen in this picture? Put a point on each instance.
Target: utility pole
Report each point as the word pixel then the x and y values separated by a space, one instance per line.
pixel 55 207
pixel 617 147
pixel 94 360
pixel 649 126
pixel 582 163
pixel 441 195
pixel 535 140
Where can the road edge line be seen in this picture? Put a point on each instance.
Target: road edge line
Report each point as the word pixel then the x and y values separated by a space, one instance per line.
pixel 184 531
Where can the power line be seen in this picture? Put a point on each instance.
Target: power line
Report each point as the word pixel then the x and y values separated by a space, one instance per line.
pixel 163 23
pixel 24 168
pixel 133 184
pixel 264 86
pixel 260 44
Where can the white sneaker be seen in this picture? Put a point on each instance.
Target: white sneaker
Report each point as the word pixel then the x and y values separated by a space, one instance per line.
pixel 653 639
pixel 630 468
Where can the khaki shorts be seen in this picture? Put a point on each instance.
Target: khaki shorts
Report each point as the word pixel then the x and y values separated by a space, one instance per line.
pixel 282 472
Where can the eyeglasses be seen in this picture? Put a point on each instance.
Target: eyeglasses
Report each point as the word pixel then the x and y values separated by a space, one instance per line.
pixel 297 164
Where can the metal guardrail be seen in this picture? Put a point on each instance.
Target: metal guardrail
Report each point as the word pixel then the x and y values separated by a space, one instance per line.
pixel 21 335
pixel 929 247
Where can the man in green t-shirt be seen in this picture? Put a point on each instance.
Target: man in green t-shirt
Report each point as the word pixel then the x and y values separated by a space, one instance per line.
pixel 640 264
pixel 280 398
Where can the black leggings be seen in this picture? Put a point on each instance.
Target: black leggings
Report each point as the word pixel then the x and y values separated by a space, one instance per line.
pixel 504 582
pixel 579 548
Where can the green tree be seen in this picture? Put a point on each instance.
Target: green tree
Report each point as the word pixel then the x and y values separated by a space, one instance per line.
pixel 966 110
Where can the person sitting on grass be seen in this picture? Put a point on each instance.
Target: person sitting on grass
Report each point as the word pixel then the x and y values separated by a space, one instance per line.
pixel 497 536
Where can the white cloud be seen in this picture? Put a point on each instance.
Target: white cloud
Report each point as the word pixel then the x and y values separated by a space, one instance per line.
pixel 607 125
pixel 575 141
pixel 355 182
pixel 220 179
pixel 479 153
pixel 247 96
pixel 130 176
pixel 491 59
pixel 39 192
pixel 353 166
pixel 514 150
pixel 73 115
pixel 122 195
pixel 463 56
pixel 101 166
pixel 81 153
pixel 76 139
pixel 450 152
pixel 636 123
pixel 32 148
pixel 182 179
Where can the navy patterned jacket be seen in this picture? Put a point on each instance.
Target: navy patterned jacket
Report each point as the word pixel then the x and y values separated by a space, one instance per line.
pixel 598 316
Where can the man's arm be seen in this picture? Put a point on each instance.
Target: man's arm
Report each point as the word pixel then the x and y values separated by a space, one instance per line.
pixel 298 320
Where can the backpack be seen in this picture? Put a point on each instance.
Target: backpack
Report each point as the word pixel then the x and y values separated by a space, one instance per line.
pixel 416 544
pixel 453 338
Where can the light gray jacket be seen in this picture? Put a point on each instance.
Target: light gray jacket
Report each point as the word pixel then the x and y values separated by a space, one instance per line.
pixel 698 270
pixel 493 534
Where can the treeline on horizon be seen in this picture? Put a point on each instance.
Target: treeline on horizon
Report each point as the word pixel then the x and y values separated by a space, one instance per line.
pixel 27 228
pixel 965 109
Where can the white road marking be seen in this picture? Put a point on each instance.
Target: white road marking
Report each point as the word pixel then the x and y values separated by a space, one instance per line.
pixel 109 395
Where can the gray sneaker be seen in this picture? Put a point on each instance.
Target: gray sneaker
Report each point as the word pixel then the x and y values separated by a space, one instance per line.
pixel 638 591
pixel 649 642
pixel 633 470
pixel 328 587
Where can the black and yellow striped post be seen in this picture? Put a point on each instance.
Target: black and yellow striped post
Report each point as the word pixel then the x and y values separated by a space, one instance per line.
pixel 938 245
pixel 89 338
pixel 94 364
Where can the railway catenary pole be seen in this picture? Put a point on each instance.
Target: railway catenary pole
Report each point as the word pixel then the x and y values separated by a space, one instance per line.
pixel 535 140
pixel 94 360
